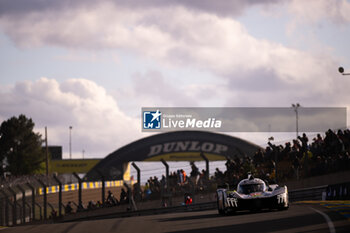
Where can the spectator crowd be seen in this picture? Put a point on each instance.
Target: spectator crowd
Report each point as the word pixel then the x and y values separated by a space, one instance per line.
pixel 293 160
pixel 298 159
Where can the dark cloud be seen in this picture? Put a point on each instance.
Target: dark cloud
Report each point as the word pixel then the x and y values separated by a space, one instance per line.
pixel 8 7
pixel 219 7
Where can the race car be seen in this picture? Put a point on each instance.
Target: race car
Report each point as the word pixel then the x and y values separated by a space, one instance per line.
pixel 252 194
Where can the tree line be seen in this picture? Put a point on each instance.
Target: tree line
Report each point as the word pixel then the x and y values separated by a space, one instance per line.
pixel 20 147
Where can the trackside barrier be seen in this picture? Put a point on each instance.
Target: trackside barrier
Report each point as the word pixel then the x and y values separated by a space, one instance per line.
pixel 85 185
pixel 115 213
pixel 338 191
pixel 307 194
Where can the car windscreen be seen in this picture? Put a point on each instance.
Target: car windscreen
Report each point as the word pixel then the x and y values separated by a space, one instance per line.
pixel 251 188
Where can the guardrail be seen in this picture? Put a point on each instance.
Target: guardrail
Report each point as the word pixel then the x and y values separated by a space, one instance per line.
pixel 112 214
pixel 308 194
pixel 339 191
pixel 314 193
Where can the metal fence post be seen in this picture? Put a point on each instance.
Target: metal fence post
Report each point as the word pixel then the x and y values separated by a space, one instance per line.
pixel 33 200
pixel 1 211
pixel 80 203
pixel 45 197
pixel 206 164
pixel 103 186
pixel 6 209
pixel 59 195
pixel 168 195
pixel 138 191
pixel 14 207
pixel 23 203
pixel 166 174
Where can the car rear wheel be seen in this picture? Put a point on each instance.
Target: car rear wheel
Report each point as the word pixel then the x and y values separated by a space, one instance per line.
pixel 283 208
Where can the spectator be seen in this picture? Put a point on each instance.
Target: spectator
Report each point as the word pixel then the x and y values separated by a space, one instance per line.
pixel 111 200
pixel 91 205
pixel 219 176
pixel 188 200
pixel 194 173
pixel 68 209
pixel 80 208
pixel 258 157
pixel 99 204
pixel 53 214
pixel 304 140
pixel 123 197
pixel 183 175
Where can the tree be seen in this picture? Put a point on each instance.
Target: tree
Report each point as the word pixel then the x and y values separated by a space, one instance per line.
pixel 20 147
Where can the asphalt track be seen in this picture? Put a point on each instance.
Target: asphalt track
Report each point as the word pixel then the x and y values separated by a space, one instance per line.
pixel 299 218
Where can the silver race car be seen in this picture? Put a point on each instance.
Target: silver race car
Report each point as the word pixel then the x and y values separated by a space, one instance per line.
pixel 252 194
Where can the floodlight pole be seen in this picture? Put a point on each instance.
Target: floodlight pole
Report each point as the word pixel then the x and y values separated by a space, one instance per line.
pixel 295 107
pixel 70 141
pixel 47 153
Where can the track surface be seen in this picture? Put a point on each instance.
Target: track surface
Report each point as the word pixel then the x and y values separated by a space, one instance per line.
pixel 299 218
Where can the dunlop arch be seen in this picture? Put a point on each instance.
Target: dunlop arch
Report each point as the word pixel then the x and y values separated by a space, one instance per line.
pixel 172 146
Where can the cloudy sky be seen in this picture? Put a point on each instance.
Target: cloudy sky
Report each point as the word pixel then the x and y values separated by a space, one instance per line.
pixel 93 64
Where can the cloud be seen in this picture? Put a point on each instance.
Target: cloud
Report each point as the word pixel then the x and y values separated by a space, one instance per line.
pixel 200 35
pixel 172 35
pixel 177 36
pixel 314 11
pixel 155 89
pixel 162 92
pixel 99 126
